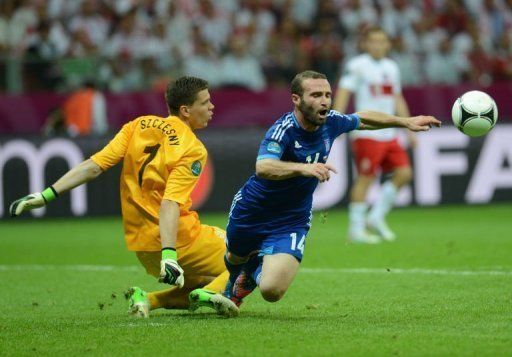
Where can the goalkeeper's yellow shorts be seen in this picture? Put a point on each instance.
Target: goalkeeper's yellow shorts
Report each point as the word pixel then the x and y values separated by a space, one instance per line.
pixel 203 257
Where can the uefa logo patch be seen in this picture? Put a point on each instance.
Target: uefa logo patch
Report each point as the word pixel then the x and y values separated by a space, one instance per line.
pixel 196 168
pixel 274 147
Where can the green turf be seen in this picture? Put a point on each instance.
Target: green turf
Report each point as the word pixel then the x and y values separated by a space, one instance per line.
pixel 459 304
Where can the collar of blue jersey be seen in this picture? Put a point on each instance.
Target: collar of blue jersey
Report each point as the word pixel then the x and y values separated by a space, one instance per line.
pixel 295 121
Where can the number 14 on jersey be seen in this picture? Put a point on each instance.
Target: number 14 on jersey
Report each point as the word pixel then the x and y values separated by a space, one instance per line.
pixel 309 160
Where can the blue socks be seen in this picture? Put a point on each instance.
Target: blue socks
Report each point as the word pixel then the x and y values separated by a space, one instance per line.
pixel 234 271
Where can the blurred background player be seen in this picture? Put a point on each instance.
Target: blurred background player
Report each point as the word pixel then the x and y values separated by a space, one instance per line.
pixel 162 161
pixel 271 214
pixel 83 113
pixel 375 81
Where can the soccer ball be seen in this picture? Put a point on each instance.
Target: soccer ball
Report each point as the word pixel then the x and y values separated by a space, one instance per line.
pixel 475 113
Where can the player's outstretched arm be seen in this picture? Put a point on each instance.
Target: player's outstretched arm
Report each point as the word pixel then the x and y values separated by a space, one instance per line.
pixel 272 169
pixel 84 172
pixel 371 120
pixel 170 271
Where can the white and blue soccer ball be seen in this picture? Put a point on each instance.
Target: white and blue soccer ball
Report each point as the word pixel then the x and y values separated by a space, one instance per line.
pixel 475 113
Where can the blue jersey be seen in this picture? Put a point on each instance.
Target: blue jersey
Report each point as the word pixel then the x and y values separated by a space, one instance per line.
pixel 275 205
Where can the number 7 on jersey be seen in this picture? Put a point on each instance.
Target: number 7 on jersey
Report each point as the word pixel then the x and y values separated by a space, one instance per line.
pixel 151 150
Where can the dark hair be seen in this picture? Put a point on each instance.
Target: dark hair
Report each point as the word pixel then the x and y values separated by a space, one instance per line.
pixel 183 91
pixel 373 29
pixel 296 85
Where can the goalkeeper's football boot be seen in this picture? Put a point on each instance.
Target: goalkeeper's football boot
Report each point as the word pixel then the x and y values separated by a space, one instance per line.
pixel 244 285
pixel 381 228
pixel 221 304
pixel 138 302
pixel 363 237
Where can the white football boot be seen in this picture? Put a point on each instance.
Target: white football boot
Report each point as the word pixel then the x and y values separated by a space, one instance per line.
pixel 381 228
pixel 363 237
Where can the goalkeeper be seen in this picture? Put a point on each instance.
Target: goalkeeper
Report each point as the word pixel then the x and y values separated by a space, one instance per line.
pixel 162 161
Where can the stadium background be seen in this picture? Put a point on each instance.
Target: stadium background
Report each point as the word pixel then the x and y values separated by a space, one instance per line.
pixel 249 51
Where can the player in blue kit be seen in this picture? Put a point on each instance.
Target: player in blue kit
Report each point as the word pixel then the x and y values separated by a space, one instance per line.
pixel 271 214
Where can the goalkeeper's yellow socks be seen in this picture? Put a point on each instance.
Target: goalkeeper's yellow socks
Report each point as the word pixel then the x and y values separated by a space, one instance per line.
pixel 172 298
pixel 218 284
pixel 175 298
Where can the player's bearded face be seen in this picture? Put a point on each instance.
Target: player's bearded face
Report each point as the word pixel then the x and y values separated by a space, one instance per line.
pixel 314 112
pixel 315 102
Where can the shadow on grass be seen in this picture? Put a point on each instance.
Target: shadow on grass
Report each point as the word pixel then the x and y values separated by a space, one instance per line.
pixel 291 316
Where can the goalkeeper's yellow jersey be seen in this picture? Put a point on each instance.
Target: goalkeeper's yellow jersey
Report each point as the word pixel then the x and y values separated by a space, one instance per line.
pixel 162 159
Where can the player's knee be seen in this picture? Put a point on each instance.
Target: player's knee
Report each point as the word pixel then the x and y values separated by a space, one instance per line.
pixel 153 272
pixel 272 293
pixel 403 175
pixel 362 184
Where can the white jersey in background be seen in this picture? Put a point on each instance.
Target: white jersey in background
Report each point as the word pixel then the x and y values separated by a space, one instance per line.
pixel 374 84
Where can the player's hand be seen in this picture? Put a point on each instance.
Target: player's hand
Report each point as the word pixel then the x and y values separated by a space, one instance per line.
pixel 34 200
pixel 421 123
pixel 171 273
pixel 318 170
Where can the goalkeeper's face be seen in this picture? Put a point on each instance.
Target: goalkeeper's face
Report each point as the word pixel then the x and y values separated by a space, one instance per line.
pixel 201 111
pixel 316 101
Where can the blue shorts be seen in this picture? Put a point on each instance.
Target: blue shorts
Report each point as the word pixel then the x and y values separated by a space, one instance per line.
pixel 244 242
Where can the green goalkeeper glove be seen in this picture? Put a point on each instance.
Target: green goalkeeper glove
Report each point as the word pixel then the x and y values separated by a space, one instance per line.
pixel 34 200
pixel 170 271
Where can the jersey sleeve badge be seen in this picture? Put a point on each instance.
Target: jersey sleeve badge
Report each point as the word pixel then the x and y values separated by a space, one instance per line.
pixel 196 168
pixel 274 148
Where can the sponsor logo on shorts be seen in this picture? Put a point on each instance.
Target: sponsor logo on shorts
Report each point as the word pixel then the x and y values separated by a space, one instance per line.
pixel 266 251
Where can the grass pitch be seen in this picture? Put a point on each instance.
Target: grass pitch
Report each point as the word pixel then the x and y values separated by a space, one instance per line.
pixel 443 288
